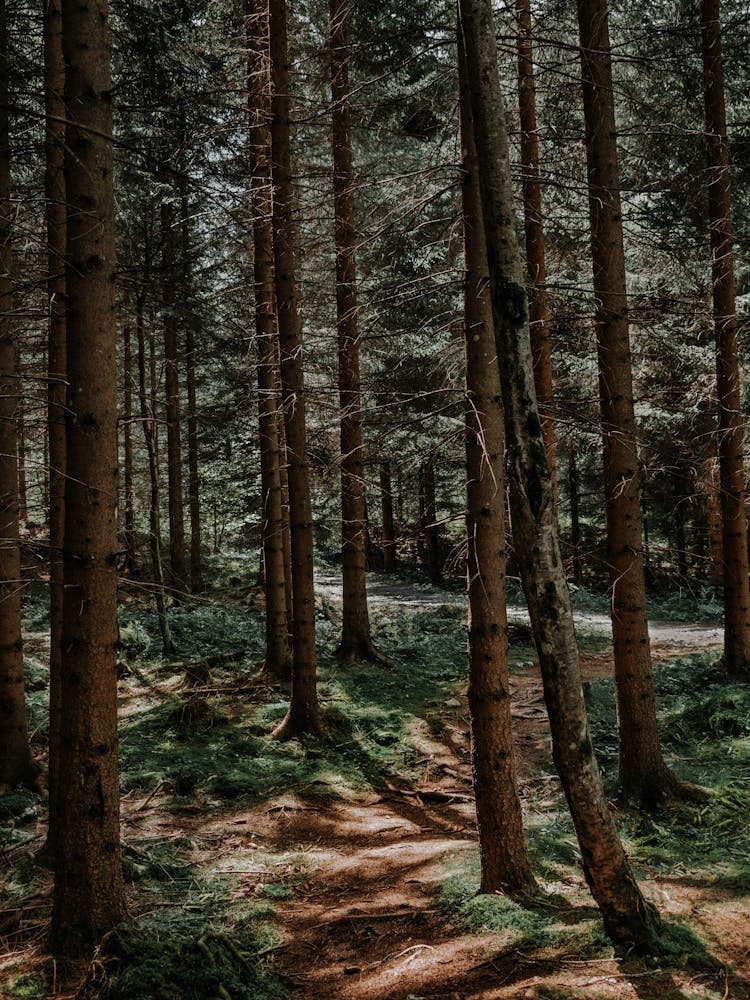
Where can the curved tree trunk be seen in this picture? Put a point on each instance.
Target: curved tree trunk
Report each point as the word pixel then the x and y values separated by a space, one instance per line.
pixel 16 763
pixel 502 847
pixel 731 453
pixel 627 917
pixel 89 895
pixel 643 774
pixel 536 267
pixel 304 713
pixel 278 653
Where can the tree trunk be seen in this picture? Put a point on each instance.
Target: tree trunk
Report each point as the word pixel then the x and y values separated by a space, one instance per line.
pixel 389 531
pixel 278 653
pixel 574 487
pixel 194 498
pixel 304 714
pixel 731 455
pixel 502 847
pixel 127 430
pixel 54 207
pixel 643 774
pixel 179 573
pixel 20 435
pixel 89 895
pixel 713 513
pixel 16 763
pixel 149 425
pixel 428 519
pixel 536 268
pixel 355 632
pixel 627 917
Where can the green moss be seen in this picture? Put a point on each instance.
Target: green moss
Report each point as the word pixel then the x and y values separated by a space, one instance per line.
pixel 26 988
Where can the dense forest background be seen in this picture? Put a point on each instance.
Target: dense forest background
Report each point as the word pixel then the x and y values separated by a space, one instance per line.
pixel 280 314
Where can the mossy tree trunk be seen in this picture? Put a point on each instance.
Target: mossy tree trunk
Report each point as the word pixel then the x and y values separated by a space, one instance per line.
pixel 628 919
pixel 502 847
pixel 278 653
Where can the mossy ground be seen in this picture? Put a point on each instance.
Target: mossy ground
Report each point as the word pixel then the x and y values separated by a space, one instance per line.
pixel 195 757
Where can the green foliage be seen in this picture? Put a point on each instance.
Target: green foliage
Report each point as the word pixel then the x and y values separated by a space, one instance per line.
pixel 154 961
pixel 27 987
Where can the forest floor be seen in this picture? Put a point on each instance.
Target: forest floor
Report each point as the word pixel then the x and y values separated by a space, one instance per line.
pixel 347 867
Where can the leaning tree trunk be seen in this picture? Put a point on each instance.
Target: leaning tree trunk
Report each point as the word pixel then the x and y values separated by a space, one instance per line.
pixel 89 895
pixel 643 774
pixel 627 917
pixel 278 653
pixel 355 631
pixel 536 267
pixel 304 713
pixel 16 763
pixel 54 209
pixel 504 858
pixel 731 453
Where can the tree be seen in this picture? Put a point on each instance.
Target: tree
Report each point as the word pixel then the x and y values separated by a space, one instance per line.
pixel 89 895
pixel 643 773
pixel 731 453
pixel 536 268
pixel 16 762
pixel 278 656
pixel 355 631
pixel 504 857
pixel 628 919
pixel 55 217
pixel 304 714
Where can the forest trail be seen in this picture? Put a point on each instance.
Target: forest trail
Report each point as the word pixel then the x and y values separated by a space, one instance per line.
pixel 383 591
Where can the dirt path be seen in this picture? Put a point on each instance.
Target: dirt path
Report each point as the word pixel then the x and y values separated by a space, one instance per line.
pixel 385 591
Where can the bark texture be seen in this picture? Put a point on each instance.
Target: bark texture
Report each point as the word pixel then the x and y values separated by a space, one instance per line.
pixel 731 454
pixel 536 267
pixel 89 895
pixel 278 653
pixel 502 847
pixel 304 713
pixel 628 919
pixel 643 774
pixel 54 209
pixel 355 632
pixel 389 528
pixel 16 763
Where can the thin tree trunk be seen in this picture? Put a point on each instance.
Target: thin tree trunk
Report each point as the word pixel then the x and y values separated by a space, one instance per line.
pixel 355 633
pixel 389 531
pixel 731 454
pixel 149 425
pixel 713 513
pixel 278 653
pixel 536 268
pixel 16 762
pixel 627 917
pixel 54 207
pixel 643 774
pixel 89 896
pixel 431 529
pixel 574 487
pixel 127 431
pixel 194 499
pixel 179 572
pixel 304 713
pixel 505 862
